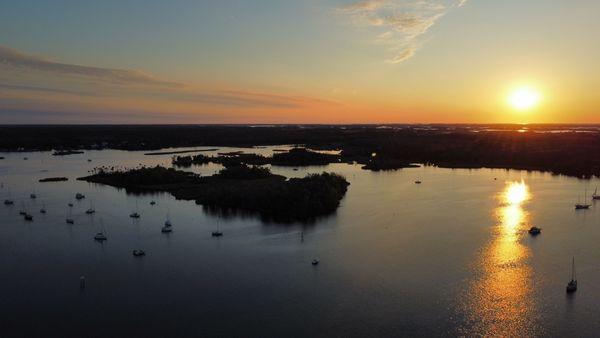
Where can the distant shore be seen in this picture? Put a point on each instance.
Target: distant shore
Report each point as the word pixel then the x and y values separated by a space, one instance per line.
pixel 560 149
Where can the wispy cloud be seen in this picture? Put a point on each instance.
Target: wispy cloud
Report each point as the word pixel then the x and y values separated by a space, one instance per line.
pixel 400 23
pixel 16 59
pixel 34 77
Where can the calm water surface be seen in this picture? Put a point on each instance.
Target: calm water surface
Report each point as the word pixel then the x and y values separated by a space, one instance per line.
pixel 451 256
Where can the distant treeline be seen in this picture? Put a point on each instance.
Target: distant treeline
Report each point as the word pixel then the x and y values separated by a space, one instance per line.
pixel 565 150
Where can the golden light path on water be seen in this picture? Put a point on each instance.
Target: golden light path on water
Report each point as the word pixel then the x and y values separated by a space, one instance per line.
pixel 500 301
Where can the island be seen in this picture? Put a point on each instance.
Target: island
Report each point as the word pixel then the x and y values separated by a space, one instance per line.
pixel 295 157
pixel 239 188
pixel 66 152
pixel 54 179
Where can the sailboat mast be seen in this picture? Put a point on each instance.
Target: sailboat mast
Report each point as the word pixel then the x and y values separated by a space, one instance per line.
pixel 573 269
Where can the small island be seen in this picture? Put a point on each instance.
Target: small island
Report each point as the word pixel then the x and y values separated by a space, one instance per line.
pixel 53 179
pixel 378 163
pixel 66 152
pixel 295 157
pixel 248 189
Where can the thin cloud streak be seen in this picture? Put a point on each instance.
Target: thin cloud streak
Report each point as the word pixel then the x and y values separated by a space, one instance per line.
pixel 16 59
pixel 400 23
pixel 61 78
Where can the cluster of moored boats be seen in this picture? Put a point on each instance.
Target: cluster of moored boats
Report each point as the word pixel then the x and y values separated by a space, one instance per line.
pixel 100 236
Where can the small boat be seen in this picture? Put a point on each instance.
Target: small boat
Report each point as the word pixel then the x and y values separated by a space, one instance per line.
pixel 217 233
pixel 315 262
pixel 535 231
pixel 418 182
pixel 595 195
pixel 69 218
pixel 89 160
pixel 572 285
pixel 139 253
pixel 33 196
pixel 168 226
pixel 583 206
pixel 8 201
pixel 91 210
pixel 42 210
pixel 79 196
pixel 152 203
pixel 28 217
pixel 136 213
pixel 70 204
pixel 100 237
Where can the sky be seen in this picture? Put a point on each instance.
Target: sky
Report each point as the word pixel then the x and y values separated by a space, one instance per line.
pixel 293 61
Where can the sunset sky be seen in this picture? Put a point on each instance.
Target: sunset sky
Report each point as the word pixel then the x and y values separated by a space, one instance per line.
pixel 293 61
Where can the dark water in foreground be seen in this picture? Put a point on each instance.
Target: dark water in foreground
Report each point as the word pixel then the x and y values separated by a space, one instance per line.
pixel 448 257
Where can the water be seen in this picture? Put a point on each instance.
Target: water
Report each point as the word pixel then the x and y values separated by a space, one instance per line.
pixel 451 256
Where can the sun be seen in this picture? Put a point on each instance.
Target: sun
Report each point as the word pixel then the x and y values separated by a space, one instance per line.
pixel 524 98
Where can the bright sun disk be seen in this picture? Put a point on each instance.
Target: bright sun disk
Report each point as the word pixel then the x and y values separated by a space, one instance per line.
pixel 524 98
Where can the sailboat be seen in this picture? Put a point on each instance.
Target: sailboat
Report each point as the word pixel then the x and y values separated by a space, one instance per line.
pixel 595 195
pixel 583 206
pixel 572 285
pixel 139 253
pixel 8 201
pixel 91 210
pixel 100 237
pixel 43 209
pixel 135 214
pixel 168 226
pixel 217 233
pixel 69 219
pixel 22 212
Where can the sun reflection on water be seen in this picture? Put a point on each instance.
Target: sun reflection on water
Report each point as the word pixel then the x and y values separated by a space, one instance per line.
pixel 500 296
